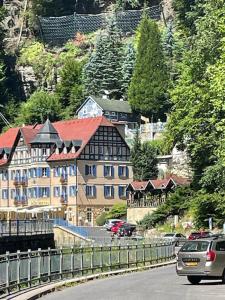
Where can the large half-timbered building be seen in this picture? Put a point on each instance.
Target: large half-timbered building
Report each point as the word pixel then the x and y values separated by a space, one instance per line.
pixel 73 169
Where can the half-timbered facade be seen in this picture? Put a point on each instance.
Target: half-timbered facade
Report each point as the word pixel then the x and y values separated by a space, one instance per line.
pixel 74 169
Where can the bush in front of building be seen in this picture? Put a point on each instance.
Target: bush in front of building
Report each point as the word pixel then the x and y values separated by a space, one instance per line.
pixel 118 211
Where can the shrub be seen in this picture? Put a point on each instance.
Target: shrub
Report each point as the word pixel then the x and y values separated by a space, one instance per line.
pixel 100 220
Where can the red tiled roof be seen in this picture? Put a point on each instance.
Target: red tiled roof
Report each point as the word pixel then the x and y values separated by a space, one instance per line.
pixel 7 139
pixel 139 185
pixel 29 133
pixel 77 129
pixel 3 162
pixel 159 183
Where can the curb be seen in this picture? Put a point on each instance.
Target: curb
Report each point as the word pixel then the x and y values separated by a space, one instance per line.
pixel 38 292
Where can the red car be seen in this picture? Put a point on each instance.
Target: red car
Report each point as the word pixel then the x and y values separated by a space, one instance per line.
pixel 115 228
pixel 199 235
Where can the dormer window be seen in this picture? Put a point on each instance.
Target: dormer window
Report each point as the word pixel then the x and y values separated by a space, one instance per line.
pixel 44 151
pixel 57 151
pixel 4 156
pixel 73 150
pixel 65 150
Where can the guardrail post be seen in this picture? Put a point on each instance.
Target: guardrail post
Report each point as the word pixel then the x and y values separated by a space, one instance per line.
pixel 17 227
pixel 157 253
pixel 18 269
pixel 72 260
pixel 49 264
pixel 110 257
pixel 81 260
pixel 7 272
pixel 136 260
pixel 101 258
pixel 119 256
pixel 39 265
pixel 143 252
pixel 128 256
pixel 61 262
pixel 29 268
pixel 92 254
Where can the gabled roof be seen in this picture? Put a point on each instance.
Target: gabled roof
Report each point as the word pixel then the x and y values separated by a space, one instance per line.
pixel 110 105
pixel 76 132
pixel 159 184
pixel 77 129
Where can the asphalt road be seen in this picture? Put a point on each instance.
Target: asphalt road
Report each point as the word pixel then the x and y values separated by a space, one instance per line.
pixel 156 284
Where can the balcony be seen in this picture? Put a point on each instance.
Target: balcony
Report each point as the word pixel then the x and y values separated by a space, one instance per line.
pixel 20 201
pixel 20 181
pixel 64 179
pixel 64 199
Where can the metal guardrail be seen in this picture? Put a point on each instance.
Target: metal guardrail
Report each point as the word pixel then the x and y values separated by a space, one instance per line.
pixel 23 270
pixel 25 227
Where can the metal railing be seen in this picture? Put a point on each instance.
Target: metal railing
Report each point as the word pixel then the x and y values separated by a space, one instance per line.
pixel 23 270
pixel 145 203
pixel 25 227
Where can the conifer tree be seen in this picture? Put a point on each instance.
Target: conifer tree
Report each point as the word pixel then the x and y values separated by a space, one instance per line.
pixel 128 67
pixel 149 82
pixel 103 71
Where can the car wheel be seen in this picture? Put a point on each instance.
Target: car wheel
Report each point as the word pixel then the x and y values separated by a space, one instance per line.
pixel 223 277
pixel 194 279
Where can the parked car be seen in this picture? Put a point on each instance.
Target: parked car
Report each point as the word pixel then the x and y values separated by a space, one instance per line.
pixel 176 238
pixel 116 226
pixel 199 235
pixel 202 259
pixel 126 230
pixel 111 222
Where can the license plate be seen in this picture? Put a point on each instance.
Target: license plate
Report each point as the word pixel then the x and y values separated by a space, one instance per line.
pixel 191 264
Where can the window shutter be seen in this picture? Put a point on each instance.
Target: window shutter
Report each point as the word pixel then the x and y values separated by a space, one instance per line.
pixel 11 175
pixel 105 191
pixel 94 170
pixel 48 172
pixel 120 191
pixel 112 171
pixel 94 190
pixel 119 171
pixel 31 173
pixel 71 170
pixel 105 174
pixel 12 193
pixel 54 191
pixel 70 191
pixel 86 170
pixel 39 172
pixel 48 191
pixel 75 169
pixel 86 190
pixel 39 192
pixel 127 172
pixel 112 191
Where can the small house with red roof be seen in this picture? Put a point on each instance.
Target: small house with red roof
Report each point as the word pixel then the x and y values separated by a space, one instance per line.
pixel 146 196
pixel 73 169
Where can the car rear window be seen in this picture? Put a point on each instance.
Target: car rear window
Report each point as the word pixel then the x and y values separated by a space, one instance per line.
pixel 169 235
pixel 195 246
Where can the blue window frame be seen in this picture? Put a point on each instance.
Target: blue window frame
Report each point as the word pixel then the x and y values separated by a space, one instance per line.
pixel 5 194
pixel 108 191
pixel 123 171
pixel 122 189
pixel 72 170
pixel 73 190
pixel 91 190
pixel 56 191
pixel 108 171
pixel 90 170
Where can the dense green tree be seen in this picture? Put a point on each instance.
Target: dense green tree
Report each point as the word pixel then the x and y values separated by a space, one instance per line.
pixel 144 160
pixel 39 107
pixel 70 87
pixel 198 112
pixel 103 71
pixel 127 68
pixel 150 80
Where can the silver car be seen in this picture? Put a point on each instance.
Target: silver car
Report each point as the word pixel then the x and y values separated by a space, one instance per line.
pixel 176 238
pixel 202 259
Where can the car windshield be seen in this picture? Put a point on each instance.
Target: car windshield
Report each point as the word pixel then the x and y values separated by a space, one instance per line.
pixel 169 235
pixel 195 246
pixel 195 233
